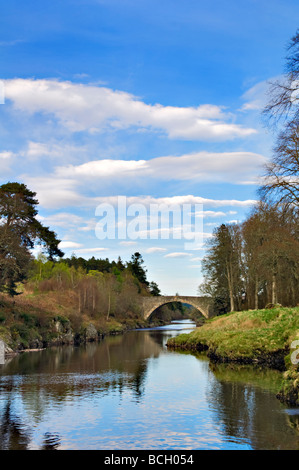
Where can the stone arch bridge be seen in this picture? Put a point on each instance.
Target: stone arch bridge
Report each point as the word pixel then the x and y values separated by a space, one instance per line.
pixel 202 304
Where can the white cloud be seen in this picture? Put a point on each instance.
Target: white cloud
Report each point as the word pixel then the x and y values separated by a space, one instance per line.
pixel 89 225
pixel 37 149
pixel 80 107
pixel 177 200
pixel 78 247
pixel 210 214
pixel 213 214
pixel 177 255
pixel 233 221
pixel 155 249
pixel 102 168
pixel 233 167
pixel 62 219
pixel 5 155
pixel 5 160
pixel 69 244
pixel 211 224
pixel 55 193
pixel 257 96
pixel 90 250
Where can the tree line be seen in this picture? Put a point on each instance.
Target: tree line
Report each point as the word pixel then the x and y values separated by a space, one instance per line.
pixel 99 285
pixel 252 264
pixel 108 293
pixel 255 263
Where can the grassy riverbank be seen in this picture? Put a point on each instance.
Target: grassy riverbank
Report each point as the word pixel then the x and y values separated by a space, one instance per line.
pixel 256 336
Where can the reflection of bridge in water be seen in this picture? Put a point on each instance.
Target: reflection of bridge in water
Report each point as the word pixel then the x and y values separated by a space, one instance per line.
pixel 202 304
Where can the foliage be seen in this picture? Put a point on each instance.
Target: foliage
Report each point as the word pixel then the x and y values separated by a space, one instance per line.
pixel 256 262
pixel 154 289
pixel 14 261
pixel 222 268
pixel 19 232
pixel 135 266
pixel 110 291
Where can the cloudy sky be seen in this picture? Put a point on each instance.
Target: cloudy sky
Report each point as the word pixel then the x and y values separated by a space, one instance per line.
pixel 148 102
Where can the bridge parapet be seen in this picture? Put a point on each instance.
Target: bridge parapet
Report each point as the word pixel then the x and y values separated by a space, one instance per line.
pixel 202 304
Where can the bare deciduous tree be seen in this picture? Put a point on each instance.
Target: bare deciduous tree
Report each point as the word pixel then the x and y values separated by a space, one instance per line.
pixel 281 178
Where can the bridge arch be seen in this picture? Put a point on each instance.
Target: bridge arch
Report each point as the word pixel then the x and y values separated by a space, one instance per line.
pixel 202 304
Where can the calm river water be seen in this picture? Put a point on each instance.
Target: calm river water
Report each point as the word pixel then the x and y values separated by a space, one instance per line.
pixel 130 392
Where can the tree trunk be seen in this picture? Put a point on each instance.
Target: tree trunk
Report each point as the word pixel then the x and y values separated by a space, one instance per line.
pixel 85 297
pixel 108 313
pixel 230 289
pixel 93 298
pixel 79 299
pixel 274 293
pixel 256 293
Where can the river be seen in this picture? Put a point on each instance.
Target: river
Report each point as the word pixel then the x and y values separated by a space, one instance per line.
pixel 129 392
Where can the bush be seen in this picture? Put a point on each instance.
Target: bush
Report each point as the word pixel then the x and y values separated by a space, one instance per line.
pixel 24 336
pixel 269 306
pixel 29 320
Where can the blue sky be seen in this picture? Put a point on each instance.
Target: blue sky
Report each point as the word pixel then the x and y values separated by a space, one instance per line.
pixel 157 101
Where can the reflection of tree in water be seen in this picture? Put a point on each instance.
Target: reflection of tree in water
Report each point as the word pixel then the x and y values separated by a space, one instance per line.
pixel 57 374
pixel 50 441
pixel 14 434
pixel 139 380
pixel 158 338
pixel 247 410
pixel 293 419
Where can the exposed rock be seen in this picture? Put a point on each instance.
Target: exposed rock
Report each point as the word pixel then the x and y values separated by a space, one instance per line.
pixel 58 326
pixel 90 333
pixel 5 350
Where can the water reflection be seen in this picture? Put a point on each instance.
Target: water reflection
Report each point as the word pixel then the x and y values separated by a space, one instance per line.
pixel 244 400
pixel 129 392
pixel 13 433
pixel 50 441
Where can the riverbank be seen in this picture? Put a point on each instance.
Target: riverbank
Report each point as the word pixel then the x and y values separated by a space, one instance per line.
pixel 34 323
pixel 261 337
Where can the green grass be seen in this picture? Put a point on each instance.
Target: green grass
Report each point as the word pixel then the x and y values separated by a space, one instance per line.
pixel 244 335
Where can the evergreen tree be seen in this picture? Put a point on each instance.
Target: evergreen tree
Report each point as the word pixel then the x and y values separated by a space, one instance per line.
pixel 135 266
pixel 154 289
pixel 20 231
